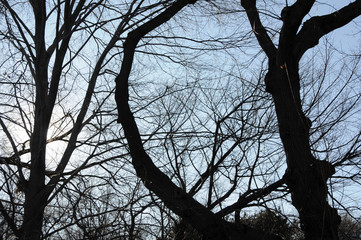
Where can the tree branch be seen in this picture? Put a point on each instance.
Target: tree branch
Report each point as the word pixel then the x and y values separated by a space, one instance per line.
pixel 9 220
pixel 316 27
pixel 121 92
pixel 155 180
pixel 246 198
pixel 257 27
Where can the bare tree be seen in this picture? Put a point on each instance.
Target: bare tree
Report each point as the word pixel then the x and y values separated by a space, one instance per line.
pixel 56 116
pixel 197 126
pixel 306 176
pixel 174 197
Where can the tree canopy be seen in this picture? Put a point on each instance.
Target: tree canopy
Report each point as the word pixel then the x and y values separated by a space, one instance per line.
pixel 132 119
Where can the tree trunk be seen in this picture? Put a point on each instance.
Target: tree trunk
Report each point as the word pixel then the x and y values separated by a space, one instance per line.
pixel 33 220
pixel 305 176
pixel 34 204
pixel 212 227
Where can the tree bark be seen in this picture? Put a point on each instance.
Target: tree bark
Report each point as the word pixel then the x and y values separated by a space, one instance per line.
pixel 306 176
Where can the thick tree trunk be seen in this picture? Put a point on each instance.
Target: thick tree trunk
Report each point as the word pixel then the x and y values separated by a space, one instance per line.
pixel 34 204
pixel 33 220
pixel 306 176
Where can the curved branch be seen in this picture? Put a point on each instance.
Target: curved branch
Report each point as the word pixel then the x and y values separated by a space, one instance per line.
pixel 316 27
pixel 175 198
pixel 121 81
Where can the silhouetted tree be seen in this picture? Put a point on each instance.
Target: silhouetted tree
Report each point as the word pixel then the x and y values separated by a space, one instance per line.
pixel 199 138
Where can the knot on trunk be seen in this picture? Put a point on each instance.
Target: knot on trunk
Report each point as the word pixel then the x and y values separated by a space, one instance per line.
pixel 285 13
pixel 323 169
